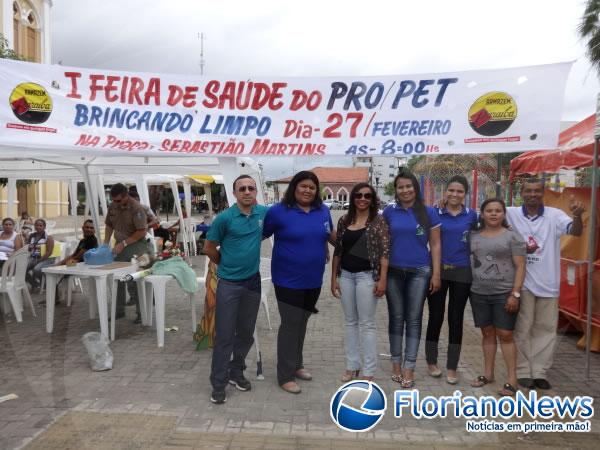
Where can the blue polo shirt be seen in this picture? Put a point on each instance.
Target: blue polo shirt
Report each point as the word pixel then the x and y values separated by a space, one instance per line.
pixel 240 236
pixel 409 241
pixel 455 233
pixel 299 250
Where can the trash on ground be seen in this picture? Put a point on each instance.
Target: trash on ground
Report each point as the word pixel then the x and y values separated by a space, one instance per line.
pixel 5 398
pixel 100 354
pixel 173 328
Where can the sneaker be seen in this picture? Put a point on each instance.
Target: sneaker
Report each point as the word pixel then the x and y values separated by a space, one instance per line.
pixel 527 383
pixel 218 397
pixel 542 383
pixel 240 383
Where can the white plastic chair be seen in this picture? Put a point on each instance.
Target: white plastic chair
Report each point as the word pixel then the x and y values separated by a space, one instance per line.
pixel 73 282
pixel 62 247
pixel 158 292
pixel 202 283
pixel 13 282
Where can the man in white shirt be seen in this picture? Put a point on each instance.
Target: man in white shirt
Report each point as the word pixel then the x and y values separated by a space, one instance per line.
pixel 541 227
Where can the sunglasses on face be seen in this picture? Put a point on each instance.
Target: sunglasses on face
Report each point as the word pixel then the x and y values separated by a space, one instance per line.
pixel 366 196
pixel 246 188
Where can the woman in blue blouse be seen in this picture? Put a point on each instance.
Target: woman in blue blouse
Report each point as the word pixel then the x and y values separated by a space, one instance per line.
pixel 457 221
pixel 413 271
pixel 301 225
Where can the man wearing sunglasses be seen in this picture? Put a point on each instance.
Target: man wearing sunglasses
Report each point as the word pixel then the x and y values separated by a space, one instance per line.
pixel 233 243
pixel 127 219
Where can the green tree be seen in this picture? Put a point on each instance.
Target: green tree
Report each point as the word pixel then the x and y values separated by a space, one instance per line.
pixel 589 29
pixel 388 189
pixel 7 53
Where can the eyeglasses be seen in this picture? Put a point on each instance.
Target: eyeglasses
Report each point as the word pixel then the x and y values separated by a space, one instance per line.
pixel 366 195
pixel 246 188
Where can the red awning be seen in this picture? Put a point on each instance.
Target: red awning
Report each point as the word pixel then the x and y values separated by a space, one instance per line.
pixel 575 150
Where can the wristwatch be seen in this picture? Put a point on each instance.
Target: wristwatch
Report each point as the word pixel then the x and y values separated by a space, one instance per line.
pixel 516 294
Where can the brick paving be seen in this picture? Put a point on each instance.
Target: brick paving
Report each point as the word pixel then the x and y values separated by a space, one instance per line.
pixel 50 374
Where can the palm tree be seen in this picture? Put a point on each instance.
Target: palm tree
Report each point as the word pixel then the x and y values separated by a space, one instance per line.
pixel 589 29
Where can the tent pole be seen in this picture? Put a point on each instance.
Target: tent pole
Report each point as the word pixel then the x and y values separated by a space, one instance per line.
pixel 182 224
pixel 101 195
pixel 187 200
pixel 230 170
pixel 93 201
pixel 73 198
pixel 591 255
pixel 11 198
pixel 208 194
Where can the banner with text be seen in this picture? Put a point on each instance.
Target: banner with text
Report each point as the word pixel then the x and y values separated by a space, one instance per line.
pixel 110 112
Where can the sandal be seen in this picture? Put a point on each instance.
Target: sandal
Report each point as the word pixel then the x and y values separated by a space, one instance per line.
pixel 480 381
pixel 508 390
pixel 349 375
pixel 407 384
pixel 397 378
pixel 435 373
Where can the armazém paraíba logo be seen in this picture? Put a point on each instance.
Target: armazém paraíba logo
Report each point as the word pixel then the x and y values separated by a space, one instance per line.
pixel 492 113
pixel 358 406
pixel 31 103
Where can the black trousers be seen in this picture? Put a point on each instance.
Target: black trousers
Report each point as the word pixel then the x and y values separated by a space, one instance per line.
pixel 295 307
pixel 459 294
pixel 235 319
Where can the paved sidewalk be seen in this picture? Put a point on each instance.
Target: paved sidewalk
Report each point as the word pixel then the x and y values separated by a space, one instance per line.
pixel 50 374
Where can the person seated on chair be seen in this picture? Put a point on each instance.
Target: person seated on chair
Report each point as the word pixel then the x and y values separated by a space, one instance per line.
pixel 88 242
pixel 174 229
pixel 162 232
pixel 25 220
pixel 25 226
pixel 10 240
pixel 41 245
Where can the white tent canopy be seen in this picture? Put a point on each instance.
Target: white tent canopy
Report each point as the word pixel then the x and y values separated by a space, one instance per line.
pixel 94 171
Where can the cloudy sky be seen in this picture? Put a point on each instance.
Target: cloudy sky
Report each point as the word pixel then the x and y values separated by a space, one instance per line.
pixel 325 38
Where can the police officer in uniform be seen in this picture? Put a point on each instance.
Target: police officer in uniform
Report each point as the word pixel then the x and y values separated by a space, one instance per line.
pixel 127 220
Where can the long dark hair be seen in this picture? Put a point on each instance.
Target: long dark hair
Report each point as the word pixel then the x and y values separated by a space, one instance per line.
pixel 459 179
pixel 289 198
pixel 373 207
pixel 419 206
pixel 487 202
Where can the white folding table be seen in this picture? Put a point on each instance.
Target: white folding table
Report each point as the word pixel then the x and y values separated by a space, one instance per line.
pixel 99 277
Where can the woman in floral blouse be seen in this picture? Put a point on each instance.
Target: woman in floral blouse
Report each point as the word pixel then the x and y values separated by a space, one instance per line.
pixel 359 277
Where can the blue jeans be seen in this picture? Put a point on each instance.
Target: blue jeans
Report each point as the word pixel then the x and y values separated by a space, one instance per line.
pixel 405 293
pixel 34 270
pixel 359 304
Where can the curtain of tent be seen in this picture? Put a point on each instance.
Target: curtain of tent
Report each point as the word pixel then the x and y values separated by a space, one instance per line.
pixel 74 202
